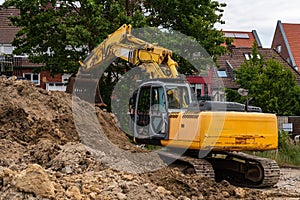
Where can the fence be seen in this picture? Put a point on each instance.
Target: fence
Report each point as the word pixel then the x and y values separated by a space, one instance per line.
pixel 290 124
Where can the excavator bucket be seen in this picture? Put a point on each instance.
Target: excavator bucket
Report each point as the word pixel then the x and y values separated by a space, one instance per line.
pixel 86 89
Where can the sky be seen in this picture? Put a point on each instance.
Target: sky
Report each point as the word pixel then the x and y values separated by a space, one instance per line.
pixel 259 15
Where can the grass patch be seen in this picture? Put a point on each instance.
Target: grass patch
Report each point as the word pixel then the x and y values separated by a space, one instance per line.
pixel 288 152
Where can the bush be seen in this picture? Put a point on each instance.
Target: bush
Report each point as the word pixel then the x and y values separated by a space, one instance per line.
pixel 283 139
pixel 288 152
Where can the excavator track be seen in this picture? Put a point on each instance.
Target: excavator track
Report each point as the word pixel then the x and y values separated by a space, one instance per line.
pixel 238 168
pixel 201 166
pixel 246 170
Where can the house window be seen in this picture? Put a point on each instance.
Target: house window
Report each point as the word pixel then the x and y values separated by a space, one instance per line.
pixel 237 35
pixel 205 89
pixel 198 90
pixel 278 48
pixel 35 78
pixel 6 49
pixel 249 55
pixel 222 73
pixel 241 35
pixel 65 78
pixel 230 35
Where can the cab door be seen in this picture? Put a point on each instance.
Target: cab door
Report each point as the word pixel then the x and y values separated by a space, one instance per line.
pixel 158 113
pixel 151 117
pixel 142 112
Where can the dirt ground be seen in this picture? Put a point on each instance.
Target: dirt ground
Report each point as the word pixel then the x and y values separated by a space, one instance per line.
pixel 288 186
pixel 43 156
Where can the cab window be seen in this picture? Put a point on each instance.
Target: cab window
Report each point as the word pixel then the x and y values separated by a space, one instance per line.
pixel 158 101
pixel 178 97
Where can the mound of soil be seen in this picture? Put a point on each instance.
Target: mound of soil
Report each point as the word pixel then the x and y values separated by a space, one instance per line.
pixel 43 155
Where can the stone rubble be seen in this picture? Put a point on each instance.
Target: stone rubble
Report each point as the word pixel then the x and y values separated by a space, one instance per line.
pixel 42 156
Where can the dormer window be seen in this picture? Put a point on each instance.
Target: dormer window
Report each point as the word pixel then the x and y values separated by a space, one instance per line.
pixel 249 55
pixel 222 73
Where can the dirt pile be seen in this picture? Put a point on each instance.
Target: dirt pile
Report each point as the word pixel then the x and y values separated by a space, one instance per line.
pixel 42 155
pixel 29 114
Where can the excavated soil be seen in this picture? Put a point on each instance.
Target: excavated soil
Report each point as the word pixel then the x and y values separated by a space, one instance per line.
pixel 43 156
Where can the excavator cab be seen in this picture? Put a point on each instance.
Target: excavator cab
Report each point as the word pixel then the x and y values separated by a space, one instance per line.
pixel 151 104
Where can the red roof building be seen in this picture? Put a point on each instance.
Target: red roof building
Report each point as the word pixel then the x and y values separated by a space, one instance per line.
pixel 202 85
pixel 286 41
pixel 243 38
pixel 232 61
pixel 208 87
pixel 6 29
pixel 19 65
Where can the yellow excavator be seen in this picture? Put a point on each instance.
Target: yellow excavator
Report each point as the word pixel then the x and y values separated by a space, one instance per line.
pixel 163 112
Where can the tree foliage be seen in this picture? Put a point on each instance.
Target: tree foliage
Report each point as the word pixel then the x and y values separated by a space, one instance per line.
pixel 60 33
pixel 194 18
pixel 271 85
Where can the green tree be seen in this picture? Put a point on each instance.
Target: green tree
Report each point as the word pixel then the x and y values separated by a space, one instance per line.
pixel 195 18
pixel 271 85
pixel 60 33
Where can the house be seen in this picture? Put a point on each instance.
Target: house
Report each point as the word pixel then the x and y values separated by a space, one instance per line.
pixel 232 61
pixel 201 85
pixel 208 86
pixel 19 65
pixel 241 50
pixel 290 124
pixel 243 38
pixel 286 41
pixel 7 34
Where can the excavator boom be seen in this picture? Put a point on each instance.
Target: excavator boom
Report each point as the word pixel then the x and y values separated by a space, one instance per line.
pixel 122 44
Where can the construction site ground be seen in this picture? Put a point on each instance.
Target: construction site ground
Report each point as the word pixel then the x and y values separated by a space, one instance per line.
pixel 42 156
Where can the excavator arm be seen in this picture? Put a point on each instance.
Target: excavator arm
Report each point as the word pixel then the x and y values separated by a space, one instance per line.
pixel 122 44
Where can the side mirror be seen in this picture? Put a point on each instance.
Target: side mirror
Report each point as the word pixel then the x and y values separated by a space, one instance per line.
pixel 243 92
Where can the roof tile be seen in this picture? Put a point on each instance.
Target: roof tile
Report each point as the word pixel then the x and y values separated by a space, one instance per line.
pixel 241 38
pixel 292 32
pixel 237 57
pixel 7 31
